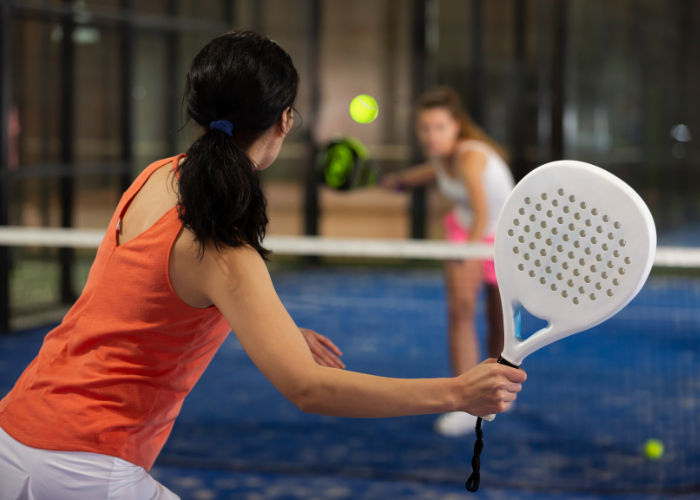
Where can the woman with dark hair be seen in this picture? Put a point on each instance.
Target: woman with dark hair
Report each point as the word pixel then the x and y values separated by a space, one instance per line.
pixel 471 170
pixel 181 265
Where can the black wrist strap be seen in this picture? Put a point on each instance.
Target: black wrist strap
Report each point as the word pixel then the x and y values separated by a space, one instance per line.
pixel 475 478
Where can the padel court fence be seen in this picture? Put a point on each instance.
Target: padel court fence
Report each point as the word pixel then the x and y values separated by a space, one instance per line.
pixel 590 404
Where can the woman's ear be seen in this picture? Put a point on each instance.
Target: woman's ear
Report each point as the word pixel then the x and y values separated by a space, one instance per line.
pixel 285 122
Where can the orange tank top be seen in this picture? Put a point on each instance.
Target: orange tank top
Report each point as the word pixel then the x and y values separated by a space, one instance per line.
pixel 111 378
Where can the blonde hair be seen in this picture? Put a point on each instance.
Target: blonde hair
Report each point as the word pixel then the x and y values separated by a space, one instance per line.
pixel 447 98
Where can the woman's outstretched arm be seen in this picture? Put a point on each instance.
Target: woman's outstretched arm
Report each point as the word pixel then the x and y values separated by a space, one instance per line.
pixel 238 283
pixel 412 177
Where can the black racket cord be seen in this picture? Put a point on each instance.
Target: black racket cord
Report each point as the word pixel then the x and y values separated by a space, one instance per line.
pixel 475 478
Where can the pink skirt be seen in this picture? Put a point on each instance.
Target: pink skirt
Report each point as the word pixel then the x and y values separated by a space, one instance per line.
pixel 454 231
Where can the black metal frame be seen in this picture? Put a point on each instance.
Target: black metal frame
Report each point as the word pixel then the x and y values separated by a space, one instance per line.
pixel 110 17
pixel 311 203
pixel 127 85
pixel 173 117
pixel 5 105
pixel 128 22
pixel 257 16
pixel 418 208
pixel 551 81
pixel 544 105
pixel 687 176
pixel 519 162
pixel 67 183
pixel 559 66
pixel 476 107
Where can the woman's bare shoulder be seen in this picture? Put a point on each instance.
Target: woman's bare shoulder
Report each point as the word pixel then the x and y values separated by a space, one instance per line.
pixel 202 274
pixel 474 145
pixel 471 156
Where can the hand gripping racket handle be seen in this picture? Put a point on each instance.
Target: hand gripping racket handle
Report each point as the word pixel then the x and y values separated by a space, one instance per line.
pixel 501 361
pixel 473 481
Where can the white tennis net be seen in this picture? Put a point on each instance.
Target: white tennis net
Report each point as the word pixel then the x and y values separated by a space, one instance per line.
pixel 321 246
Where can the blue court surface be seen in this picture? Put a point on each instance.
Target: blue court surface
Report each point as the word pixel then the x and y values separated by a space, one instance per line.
pixel 578 430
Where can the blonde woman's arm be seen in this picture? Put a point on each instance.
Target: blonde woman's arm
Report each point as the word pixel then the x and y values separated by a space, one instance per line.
pixel 413 177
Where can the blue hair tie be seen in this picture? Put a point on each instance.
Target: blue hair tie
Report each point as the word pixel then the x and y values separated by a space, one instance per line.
pixel 224 125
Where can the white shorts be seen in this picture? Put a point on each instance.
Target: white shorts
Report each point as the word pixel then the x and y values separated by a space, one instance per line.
pixel 33 474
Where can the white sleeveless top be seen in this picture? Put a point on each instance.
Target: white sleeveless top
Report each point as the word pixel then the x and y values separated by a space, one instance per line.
pixel 496 177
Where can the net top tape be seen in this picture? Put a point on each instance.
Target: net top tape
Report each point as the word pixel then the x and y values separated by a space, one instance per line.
pixel 321 246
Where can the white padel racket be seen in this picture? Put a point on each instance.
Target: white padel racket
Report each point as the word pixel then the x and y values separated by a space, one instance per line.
pixel 574 245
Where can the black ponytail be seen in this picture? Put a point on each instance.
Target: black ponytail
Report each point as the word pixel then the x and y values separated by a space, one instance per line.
pixel 247 79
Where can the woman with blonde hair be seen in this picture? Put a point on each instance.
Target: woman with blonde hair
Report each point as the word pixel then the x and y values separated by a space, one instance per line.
pixel 471 170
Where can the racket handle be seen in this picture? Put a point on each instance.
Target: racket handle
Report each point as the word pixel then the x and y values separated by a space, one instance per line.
pixel 501 361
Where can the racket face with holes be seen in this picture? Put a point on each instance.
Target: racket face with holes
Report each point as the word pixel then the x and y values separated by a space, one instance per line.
pixel 574 244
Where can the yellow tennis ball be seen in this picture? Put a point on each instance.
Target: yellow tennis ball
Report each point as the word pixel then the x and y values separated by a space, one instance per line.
pixel 364 109
pixel 654 449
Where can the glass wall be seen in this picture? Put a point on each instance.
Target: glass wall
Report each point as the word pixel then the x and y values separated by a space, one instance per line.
pixel 91 113
pixel 633 108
